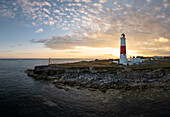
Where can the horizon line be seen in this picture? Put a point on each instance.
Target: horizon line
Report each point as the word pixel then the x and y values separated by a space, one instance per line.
pixel 73 58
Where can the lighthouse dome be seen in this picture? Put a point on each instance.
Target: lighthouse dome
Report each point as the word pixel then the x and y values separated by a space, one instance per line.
pixel 123 35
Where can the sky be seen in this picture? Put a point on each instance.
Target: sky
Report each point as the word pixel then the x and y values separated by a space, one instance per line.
pixel 83 28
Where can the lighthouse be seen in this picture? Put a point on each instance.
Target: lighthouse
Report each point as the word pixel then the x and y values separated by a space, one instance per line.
pixel 123 59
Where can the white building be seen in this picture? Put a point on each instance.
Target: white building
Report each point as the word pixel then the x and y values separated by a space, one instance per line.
pixel 135 61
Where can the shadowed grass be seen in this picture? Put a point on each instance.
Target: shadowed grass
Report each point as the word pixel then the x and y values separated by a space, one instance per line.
pixel 91 64
pixel 153 65
pixel 107 64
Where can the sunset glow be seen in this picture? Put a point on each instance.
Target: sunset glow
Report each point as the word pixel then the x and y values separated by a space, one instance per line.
pixel 83 28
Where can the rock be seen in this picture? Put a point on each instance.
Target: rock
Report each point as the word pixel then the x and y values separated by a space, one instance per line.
pixel 59 86
pixel 102 78
pixel 92 89
pixel 66 89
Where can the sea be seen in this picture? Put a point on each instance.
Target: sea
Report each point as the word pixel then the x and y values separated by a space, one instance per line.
pixel 24 96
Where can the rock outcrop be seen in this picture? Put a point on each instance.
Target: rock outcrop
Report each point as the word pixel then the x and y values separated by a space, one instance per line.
pixel 103 78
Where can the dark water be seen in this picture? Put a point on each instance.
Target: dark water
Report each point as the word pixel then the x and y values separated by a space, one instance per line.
pixel 23 96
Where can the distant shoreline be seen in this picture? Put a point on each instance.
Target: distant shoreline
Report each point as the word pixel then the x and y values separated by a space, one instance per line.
pixel 43 59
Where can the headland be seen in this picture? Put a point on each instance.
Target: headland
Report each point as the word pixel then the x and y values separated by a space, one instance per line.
pixel 104 74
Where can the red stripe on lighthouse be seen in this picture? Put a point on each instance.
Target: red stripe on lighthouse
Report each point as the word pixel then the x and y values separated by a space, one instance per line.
pixel 123 50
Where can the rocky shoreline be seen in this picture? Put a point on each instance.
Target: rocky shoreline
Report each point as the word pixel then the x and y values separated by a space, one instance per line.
pixel 103 77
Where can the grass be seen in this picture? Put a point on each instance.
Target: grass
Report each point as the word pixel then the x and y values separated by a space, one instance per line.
pixel 91 64
pixel 151 65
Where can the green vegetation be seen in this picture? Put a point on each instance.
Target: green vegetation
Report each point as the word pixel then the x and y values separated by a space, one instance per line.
pixel 101 63
pixel 152 65
pixel 108 64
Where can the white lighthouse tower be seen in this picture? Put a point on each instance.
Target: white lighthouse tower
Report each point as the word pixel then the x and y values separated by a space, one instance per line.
pixel 123 59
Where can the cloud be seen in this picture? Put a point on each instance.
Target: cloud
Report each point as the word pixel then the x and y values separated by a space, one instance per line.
pixel 39 30
pixel 147 26
pixel 48 13
pixel 16 45
pixel 46 10
pixel 52 22
pixel 7 51
pixel 86 1
pixel 5 12
pixel 47 4
pixel 161 39
pixel 128 5
pixel 148 1
pixel 102 1
pixel 56 11
pixel 166 5
pixel 97 5
pixel 71 42
pixel 73 52
pixel 99 24
pixel 148 33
